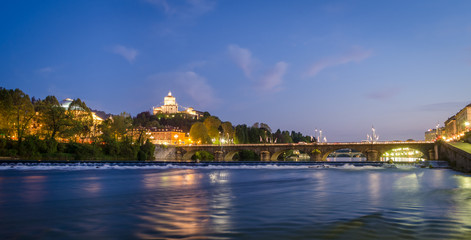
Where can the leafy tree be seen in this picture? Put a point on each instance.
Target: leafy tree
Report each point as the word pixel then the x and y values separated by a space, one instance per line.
pixel 116 127
pixel 228 130
pixel 80 120
pixel 199 133
pixel 16 110
pixel 212 125
pixel 241 134
pixel 285 137
pixel 51 116
pixel 265 127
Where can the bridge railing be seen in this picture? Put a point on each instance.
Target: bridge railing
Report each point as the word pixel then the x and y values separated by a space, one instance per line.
pixel 312 144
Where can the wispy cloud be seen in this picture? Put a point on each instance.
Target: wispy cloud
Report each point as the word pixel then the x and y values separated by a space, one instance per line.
pixel 243 58
pixel 193 84
pixel 383 94
pixel 187 9
pixel 270 80
pixel 356 55
pixel 127 53
pixel 273 79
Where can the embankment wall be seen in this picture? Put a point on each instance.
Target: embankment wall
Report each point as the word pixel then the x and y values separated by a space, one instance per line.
pixel 459 160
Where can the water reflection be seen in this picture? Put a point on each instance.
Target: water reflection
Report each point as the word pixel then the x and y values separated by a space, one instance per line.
pixel 374 187
pixel 219 177
pixel 92 186
pixel 33 189
pixel 462 204
pixel 179 208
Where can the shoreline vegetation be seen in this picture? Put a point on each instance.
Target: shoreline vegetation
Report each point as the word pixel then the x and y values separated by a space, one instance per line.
pixel 46 129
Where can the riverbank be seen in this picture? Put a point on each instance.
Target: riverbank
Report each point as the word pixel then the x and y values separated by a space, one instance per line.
pixel 462 145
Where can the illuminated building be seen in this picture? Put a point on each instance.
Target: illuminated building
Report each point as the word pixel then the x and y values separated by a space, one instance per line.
pixel 170 109
pixel 66 104
pixel 168 136
pixel 457 125
pixel 463 119
pixel 433 134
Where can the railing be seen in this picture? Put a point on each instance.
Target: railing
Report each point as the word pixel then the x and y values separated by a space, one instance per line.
pixel 311 144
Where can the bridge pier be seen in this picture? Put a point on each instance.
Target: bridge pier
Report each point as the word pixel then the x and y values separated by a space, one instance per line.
pixel 219 155
pixel 316 156
pixel 431 154
pixel 264 156
pixel 372 156
pixel 178 155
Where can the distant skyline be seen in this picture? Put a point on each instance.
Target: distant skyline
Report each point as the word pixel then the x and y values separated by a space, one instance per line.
pixel 339 66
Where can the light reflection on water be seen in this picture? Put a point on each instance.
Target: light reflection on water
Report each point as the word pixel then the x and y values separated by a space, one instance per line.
pixel 337 203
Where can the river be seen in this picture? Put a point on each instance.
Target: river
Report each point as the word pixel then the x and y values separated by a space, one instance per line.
pixel 76 201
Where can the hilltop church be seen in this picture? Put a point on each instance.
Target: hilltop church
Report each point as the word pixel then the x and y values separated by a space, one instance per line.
pixel 170 109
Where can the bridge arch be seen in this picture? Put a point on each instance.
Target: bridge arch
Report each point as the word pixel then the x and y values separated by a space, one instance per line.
pixel 189 154
pixel 329 151
pixel 274 156
pixel 230 155
pixel 423 151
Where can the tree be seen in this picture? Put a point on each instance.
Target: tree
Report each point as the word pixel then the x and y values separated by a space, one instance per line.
pixel 241 134
pixel 51 116
pixel 265 127
pixel 80 120
pixel 212 125
pixel 199 133
pixel 228 130
pixel 116 127
pixel 17 111
pixel 285 137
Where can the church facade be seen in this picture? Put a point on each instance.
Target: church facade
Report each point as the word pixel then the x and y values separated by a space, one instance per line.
pixel 170 109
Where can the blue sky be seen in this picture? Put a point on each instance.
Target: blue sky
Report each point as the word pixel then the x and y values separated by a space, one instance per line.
pixel 339 66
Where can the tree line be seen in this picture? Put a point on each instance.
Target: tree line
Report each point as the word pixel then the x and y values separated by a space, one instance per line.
pixel 213 130
pixel 42 128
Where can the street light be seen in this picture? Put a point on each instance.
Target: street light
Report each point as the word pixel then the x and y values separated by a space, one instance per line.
pixel 176 139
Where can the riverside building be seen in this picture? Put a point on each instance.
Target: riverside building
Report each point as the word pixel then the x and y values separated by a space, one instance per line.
pixel 457 125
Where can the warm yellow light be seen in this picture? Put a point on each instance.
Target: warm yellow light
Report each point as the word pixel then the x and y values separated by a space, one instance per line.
pixel 466 124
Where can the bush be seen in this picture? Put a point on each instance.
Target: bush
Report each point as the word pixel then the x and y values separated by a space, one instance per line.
pixel 141 155
pixel 203 155
pixel 148 148
pixel 128 150
pixel 83 151
pixel 30 147
pixel 247 155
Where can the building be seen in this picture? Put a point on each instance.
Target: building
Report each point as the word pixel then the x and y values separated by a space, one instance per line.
pixel 434 134
pixel 450 127
pixel 463 120
pixel 170 109
pixel 457 125
pixel 168 136
pixel 97 118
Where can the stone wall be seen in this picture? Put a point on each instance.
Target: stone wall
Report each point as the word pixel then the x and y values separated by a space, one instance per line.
pixel 165 153
pixel 458 159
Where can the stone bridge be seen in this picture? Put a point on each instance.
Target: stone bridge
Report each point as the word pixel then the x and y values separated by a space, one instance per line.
pixel 316 151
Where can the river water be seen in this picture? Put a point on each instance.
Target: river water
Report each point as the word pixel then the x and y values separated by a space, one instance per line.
pixel 233 202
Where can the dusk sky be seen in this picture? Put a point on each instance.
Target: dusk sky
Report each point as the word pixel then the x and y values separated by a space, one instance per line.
pixel 339 66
